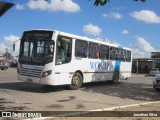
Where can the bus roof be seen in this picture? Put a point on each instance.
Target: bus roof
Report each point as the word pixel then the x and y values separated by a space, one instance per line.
pixel 81 38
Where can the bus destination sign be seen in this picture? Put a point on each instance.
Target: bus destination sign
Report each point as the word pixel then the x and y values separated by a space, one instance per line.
pixel 38 34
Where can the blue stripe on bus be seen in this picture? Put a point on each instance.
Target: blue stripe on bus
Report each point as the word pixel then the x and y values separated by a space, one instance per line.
pixel 117 64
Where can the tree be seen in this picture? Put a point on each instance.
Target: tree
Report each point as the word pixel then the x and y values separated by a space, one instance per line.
pixel 104 2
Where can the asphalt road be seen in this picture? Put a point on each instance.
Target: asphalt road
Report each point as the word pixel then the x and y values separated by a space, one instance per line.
pixel 16 95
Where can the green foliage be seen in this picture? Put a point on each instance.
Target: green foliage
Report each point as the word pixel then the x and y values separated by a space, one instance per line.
pixel 104 2
pixel 101 2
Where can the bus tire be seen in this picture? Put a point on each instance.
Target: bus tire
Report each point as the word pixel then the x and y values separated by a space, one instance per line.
pixel 76 82
pixel 115 77
pixel 157 89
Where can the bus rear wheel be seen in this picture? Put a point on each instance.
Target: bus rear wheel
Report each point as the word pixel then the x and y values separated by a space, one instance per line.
pixel 76 82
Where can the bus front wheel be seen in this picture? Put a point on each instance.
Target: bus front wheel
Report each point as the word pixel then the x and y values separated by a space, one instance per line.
pixel 76 82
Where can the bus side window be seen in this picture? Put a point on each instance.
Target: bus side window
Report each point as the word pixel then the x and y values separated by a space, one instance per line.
pixel 128 56
pixel 69 50
pixel 110 53
pixel 97 54
pixel 93 50
pixel 123 55
pixel 64 50
pixel 81 49
pixel 113 53
pixel 104 52
pixel 117 54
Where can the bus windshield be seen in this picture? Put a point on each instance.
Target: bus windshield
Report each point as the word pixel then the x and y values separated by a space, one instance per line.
pixel 36 51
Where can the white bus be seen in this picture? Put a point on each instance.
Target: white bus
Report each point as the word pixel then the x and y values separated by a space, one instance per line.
pixel 52 57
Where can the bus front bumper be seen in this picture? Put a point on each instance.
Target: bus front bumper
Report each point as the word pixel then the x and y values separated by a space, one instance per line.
pixel 45 80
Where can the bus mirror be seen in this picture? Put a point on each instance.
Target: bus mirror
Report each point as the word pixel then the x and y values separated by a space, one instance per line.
pixel 13 46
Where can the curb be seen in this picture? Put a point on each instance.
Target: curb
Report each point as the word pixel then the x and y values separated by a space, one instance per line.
pixel 90 111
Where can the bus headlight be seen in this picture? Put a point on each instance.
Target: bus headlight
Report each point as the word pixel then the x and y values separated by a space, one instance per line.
pixel 46 73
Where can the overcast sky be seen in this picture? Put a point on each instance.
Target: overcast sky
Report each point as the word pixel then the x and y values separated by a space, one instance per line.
pixel 132 24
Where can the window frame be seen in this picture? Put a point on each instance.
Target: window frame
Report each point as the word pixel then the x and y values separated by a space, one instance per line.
pixel 92 49
pixel 84 54
pixel 128 56
pixel 104 51
pixel 115 57
pixel 56 56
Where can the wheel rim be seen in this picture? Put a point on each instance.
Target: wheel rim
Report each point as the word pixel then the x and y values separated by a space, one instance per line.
pixel 75 81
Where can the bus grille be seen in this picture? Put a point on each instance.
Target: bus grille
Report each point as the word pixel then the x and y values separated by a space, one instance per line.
pixel 31 72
